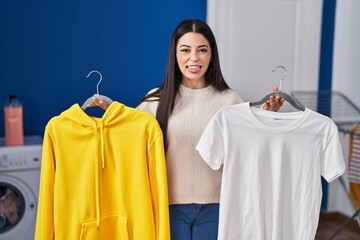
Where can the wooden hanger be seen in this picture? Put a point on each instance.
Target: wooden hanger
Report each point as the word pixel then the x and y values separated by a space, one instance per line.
pixel 281 94
pixel 97 95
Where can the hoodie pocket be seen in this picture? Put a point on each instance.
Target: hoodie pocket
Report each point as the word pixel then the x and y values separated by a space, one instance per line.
pixel 111 227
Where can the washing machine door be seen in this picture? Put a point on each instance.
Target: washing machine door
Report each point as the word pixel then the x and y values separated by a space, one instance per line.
pixel 17 209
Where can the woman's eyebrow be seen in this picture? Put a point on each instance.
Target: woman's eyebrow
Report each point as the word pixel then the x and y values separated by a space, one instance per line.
pixel 184 45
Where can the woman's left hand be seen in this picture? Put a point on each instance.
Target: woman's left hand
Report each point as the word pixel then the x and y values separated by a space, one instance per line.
pixel 274 103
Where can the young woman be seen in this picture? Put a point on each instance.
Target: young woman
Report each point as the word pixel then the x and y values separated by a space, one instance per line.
pixel 192 91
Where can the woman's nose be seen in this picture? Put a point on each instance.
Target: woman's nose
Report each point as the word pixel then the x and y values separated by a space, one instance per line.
pixel 194 56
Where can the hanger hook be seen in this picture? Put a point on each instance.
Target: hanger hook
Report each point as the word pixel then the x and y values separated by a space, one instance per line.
pixel 97 86
pixel 283 76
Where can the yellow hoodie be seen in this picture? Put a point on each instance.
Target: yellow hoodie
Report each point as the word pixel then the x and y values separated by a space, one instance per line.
pixel 103 178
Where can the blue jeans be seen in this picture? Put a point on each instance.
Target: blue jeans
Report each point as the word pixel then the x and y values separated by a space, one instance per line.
pixel 194 221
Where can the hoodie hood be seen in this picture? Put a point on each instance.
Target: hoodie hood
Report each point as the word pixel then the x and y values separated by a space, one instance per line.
pixel 117 113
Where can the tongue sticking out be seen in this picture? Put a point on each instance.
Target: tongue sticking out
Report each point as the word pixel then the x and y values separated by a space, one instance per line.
pixel 194 69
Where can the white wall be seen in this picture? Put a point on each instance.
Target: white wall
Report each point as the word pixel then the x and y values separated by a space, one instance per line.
pixel 346 65
pixel 255 36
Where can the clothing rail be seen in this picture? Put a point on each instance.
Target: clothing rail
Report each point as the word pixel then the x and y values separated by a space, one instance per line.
pixel 332 104
pixel 346 116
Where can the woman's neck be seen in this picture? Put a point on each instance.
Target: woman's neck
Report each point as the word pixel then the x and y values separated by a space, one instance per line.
pixel 194 84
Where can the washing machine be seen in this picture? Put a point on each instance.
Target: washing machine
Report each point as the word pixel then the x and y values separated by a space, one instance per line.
pixel 19 186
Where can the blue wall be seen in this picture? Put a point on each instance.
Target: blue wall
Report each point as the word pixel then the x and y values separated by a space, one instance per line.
pixel 325 70
pixel 47 48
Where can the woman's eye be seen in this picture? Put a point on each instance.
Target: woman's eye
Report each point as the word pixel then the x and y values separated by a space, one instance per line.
pixel 184 50
pixel 203 50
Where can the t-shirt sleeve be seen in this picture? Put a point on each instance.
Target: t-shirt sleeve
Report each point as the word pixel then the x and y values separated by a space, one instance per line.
pixel 211 145
pixel 333 164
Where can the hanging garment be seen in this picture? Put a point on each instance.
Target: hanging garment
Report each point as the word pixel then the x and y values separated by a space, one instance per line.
pixel 354 169
pixel 103 178
pixel 272 166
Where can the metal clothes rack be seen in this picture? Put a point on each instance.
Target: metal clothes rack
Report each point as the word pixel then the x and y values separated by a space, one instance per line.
pixel 346 116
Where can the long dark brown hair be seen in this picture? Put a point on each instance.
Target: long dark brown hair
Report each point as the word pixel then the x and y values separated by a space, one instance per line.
pixel 168 89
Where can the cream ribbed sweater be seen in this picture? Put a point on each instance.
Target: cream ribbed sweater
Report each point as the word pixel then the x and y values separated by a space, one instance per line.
pixel 190 179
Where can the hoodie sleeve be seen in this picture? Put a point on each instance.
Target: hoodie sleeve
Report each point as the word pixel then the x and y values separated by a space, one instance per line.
pixel 158 184
pixel 44 220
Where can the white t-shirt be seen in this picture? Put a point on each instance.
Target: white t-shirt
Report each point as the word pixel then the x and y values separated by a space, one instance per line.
pixel 272 167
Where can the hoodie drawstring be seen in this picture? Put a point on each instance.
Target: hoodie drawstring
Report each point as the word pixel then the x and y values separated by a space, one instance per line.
pixel 97 187
pixel 102 146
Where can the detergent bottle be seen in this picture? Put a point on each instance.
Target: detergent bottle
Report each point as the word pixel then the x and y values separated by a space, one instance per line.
pixel 13 112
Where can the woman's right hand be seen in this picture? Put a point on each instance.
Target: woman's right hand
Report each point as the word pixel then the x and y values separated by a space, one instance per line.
pixel 98 103
pixel 274 103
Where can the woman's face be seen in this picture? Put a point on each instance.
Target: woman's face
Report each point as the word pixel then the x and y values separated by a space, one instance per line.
pixel 193 54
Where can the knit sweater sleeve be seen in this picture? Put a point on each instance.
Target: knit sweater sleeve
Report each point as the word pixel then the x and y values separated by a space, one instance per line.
pixel 150 105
